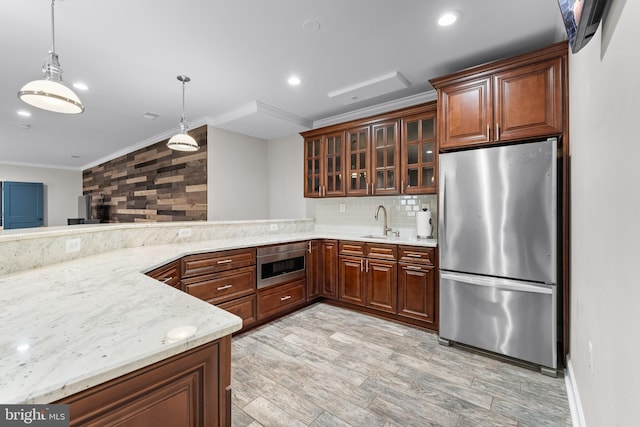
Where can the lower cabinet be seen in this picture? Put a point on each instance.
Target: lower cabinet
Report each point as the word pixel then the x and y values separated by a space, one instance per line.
pixel 168 274
pixel 369 279
pixel 245 308
pixel 329 259
pixel 417 290
pixel 381 285
pixel 351 280
pixel 280 298
pixel 191 389
pixel 315 269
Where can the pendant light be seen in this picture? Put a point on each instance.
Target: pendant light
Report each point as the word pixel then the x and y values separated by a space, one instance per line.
pixel 50 93
pixel 183 141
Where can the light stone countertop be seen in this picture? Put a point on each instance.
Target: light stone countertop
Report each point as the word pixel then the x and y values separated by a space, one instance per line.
pixel 71 325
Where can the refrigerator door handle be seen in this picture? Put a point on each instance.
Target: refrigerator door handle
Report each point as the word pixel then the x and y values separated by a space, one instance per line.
pixel 494 282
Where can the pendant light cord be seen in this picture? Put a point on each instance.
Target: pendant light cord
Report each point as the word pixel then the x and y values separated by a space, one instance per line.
pixel 182 119
pixel 53 29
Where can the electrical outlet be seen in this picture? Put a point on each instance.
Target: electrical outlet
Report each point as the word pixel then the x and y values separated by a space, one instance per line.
pixel 73 245
pixel 343 208
pixel 273 227
pixel 591 357
pixel 184 232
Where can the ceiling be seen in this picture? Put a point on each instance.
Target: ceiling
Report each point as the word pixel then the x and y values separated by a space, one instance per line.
pixel 239 55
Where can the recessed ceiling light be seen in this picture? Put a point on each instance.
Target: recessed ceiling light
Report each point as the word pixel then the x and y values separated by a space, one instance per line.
pixel 24 113
pixel 80 86
pixel 294 81
pixel 448 18
pixel 24 127
pixel 73 156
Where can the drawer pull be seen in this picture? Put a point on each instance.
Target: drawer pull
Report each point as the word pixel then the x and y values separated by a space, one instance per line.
pixel 167 280
pixel 225 261
pixel 285 298
pixel 414 255
pixel 412 267
pixel 222 288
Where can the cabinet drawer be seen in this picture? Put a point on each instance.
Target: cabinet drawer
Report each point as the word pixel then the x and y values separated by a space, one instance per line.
pixel 216 288
pixel 415 254
pixel 167 274
pixel 279 298
pixel 352 248
pixel 244 308
pixel 194 265
pixel 382 251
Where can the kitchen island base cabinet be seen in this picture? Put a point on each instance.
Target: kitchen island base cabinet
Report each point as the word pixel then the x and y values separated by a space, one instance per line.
pixel 244 308
pixel 191 389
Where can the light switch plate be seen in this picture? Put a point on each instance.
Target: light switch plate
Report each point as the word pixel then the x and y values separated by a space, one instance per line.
pixel 343 208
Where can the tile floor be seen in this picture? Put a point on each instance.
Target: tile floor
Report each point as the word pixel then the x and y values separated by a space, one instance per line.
pixel 325 366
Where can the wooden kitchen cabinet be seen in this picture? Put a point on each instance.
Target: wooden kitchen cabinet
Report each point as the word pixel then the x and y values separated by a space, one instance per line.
pixel 368 275
pixel 329 281
pixel 220 287
pixel 514 99
pixel 278 299
pixel 351 279
pixel 315 269
pixel 169 274
pixel 191 389
pixel 372 160
pixel 419 154
pixel 322 269
pixel 417 291
pixel 245 308
pixel 324 165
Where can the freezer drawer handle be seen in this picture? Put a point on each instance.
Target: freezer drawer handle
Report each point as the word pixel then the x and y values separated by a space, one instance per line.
pixel 499 283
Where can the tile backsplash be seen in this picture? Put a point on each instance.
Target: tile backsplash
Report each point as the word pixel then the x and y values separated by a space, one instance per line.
pixel 356 214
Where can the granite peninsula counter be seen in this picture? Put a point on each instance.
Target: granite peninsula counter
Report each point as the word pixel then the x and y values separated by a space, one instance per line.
pixel 66 326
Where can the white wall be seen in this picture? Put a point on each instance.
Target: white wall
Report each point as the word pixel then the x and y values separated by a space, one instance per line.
pixel 604 86
pixel 286 192
pixel 237 170
pixel 61 189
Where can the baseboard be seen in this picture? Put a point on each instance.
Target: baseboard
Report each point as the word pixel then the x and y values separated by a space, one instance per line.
pixel 575 405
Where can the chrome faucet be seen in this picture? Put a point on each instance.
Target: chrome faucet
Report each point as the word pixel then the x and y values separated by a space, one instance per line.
pixel 385 229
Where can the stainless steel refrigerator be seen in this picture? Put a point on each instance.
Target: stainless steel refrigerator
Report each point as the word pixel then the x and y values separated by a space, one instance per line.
pixel 498 244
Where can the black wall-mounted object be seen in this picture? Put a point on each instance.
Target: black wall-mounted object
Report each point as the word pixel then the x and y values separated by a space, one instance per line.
pixel 581 19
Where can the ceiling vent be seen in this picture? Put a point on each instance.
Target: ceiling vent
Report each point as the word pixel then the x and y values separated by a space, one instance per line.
pixel 150 116
pixel 377 86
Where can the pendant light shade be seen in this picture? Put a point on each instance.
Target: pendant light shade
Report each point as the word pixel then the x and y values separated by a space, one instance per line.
pixel 50 93
pixel 183 141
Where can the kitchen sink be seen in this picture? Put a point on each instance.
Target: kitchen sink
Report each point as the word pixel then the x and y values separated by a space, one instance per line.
pixel 376 236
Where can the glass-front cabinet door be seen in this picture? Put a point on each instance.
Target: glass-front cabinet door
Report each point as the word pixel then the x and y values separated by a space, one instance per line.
pixel 313 167
pixel 358 161
pixel 385 150
pixel 419 154
pixel 334 173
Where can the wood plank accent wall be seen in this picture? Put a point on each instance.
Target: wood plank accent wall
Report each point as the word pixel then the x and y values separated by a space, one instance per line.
pixel 153 184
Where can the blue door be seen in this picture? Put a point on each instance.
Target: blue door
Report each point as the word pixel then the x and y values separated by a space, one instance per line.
pixel 23 204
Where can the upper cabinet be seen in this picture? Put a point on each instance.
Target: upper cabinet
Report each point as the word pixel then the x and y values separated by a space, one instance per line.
pixel 392 153
pixel 513 99
pixel 419 153
pixel 324 165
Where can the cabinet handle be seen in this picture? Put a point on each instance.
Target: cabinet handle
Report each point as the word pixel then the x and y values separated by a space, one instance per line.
pixel 285 298
pixel 401 186
pixel 225 261
pixel 222 288
pixel 373 189
pixel 320 191
pixel 167 280
pixel 367 188
pixel 488 131
pixel 497 131
pixel 309 246
pixel 413 255
pixel 412 267
pixel 361 266
pixel 367 263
